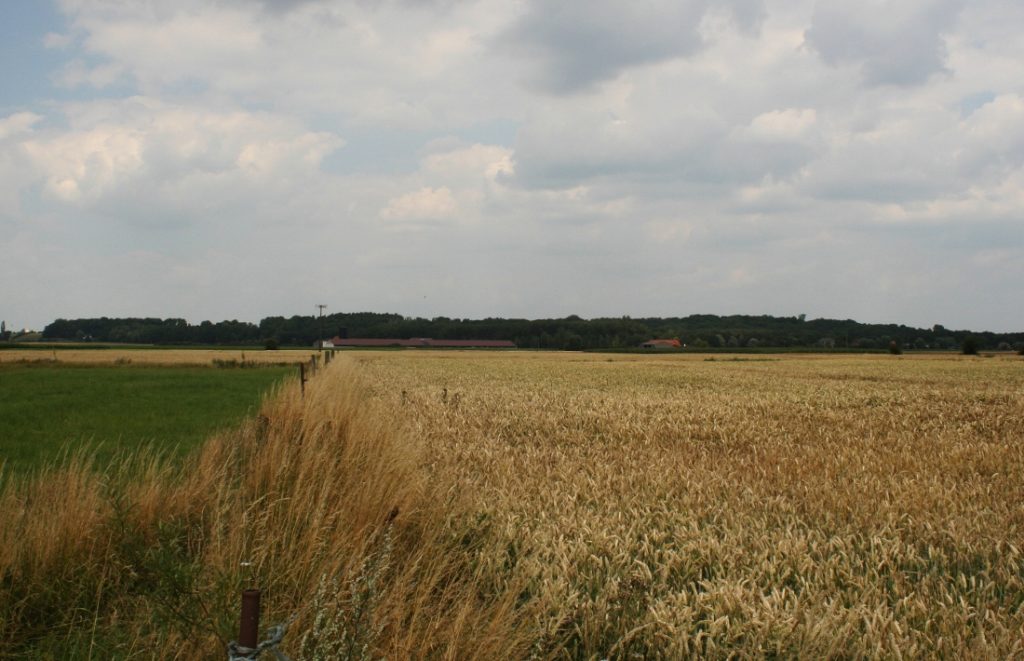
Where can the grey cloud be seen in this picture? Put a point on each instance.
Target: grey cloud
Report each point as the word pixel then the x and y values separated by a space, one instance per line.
pixel 285 6
pixel 668 148
pixel 576 45
pixel 897 43
pixel 553 156
pixel 993 143
pixel 899 173
pixel 748 14
pixel 881 187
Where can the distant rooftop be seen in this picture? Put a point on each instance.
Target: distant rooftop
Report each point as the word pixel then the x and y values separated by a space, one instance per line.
pixel 423 342
pixel 662 344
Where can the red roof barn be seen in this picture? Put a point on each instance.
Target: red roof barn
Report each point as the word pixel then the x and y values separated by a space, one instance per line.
pixel 662 344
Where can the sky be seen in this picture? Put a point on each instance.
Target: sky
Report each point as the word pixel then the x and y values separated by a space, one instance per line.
pixel 236 159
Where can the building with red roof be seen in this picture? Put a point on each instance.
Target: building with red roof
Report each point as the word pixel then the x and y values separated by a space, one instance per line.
pixel 662 344
pixel 421 342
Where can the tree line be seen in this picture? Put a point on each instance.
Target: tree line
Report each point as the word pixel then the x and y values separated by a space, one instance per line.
pixel 572 332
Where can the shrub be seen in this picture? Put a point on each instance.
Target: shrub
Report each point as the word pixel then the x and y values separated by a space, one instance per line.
pixel 969 347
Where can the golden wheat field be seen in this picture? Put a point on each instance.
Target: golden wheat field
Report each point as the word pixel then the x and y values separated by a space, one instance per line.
pixel 478 505
pixel 696 506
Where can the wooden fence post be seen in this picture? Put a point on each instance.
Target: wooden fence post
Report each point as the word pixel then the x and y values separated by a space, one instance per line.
pixel 249 624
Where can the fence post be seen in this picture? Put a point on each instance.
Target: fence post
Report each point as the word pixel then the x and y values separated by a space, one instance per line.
pixel 249 624
pixel 302 378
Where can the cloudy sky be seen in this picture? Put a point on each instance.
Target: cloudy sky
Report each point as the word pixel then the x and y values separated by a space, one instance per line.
pixel 220 159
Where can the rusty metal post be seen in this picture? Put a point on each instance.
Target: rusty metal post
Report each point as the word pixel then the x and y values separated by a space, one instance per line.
pixel 249 625
pixel 302 378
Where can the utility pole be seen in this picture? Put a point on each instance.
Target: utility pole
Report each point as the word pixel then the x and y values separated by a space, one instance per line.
pixel 320 342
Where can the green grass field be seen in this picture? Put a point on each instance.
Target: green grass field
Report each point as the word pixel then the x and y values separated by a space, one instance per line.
pixel 45 409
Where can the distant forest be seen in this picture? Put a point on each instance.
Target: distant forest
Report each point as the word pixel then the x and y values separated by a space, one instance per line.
pixel 573 333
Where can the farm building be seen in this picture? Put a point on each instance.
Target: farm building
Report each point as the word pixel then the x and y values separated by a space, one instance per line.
pixel 339 342
pixel 662 344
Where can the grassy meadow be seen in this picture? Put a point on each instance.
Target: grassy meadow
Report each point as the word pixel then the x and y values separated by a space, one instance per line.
pixel 553 505
pixel 51 408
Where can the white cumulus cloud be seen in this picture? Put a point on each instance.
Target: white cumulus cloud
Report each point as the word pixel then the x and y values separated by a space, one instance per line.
pixel 423 204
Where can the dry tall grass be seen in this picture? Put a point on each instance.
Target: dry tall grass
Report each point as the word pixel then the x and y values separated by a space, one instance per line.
pixel 323 500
